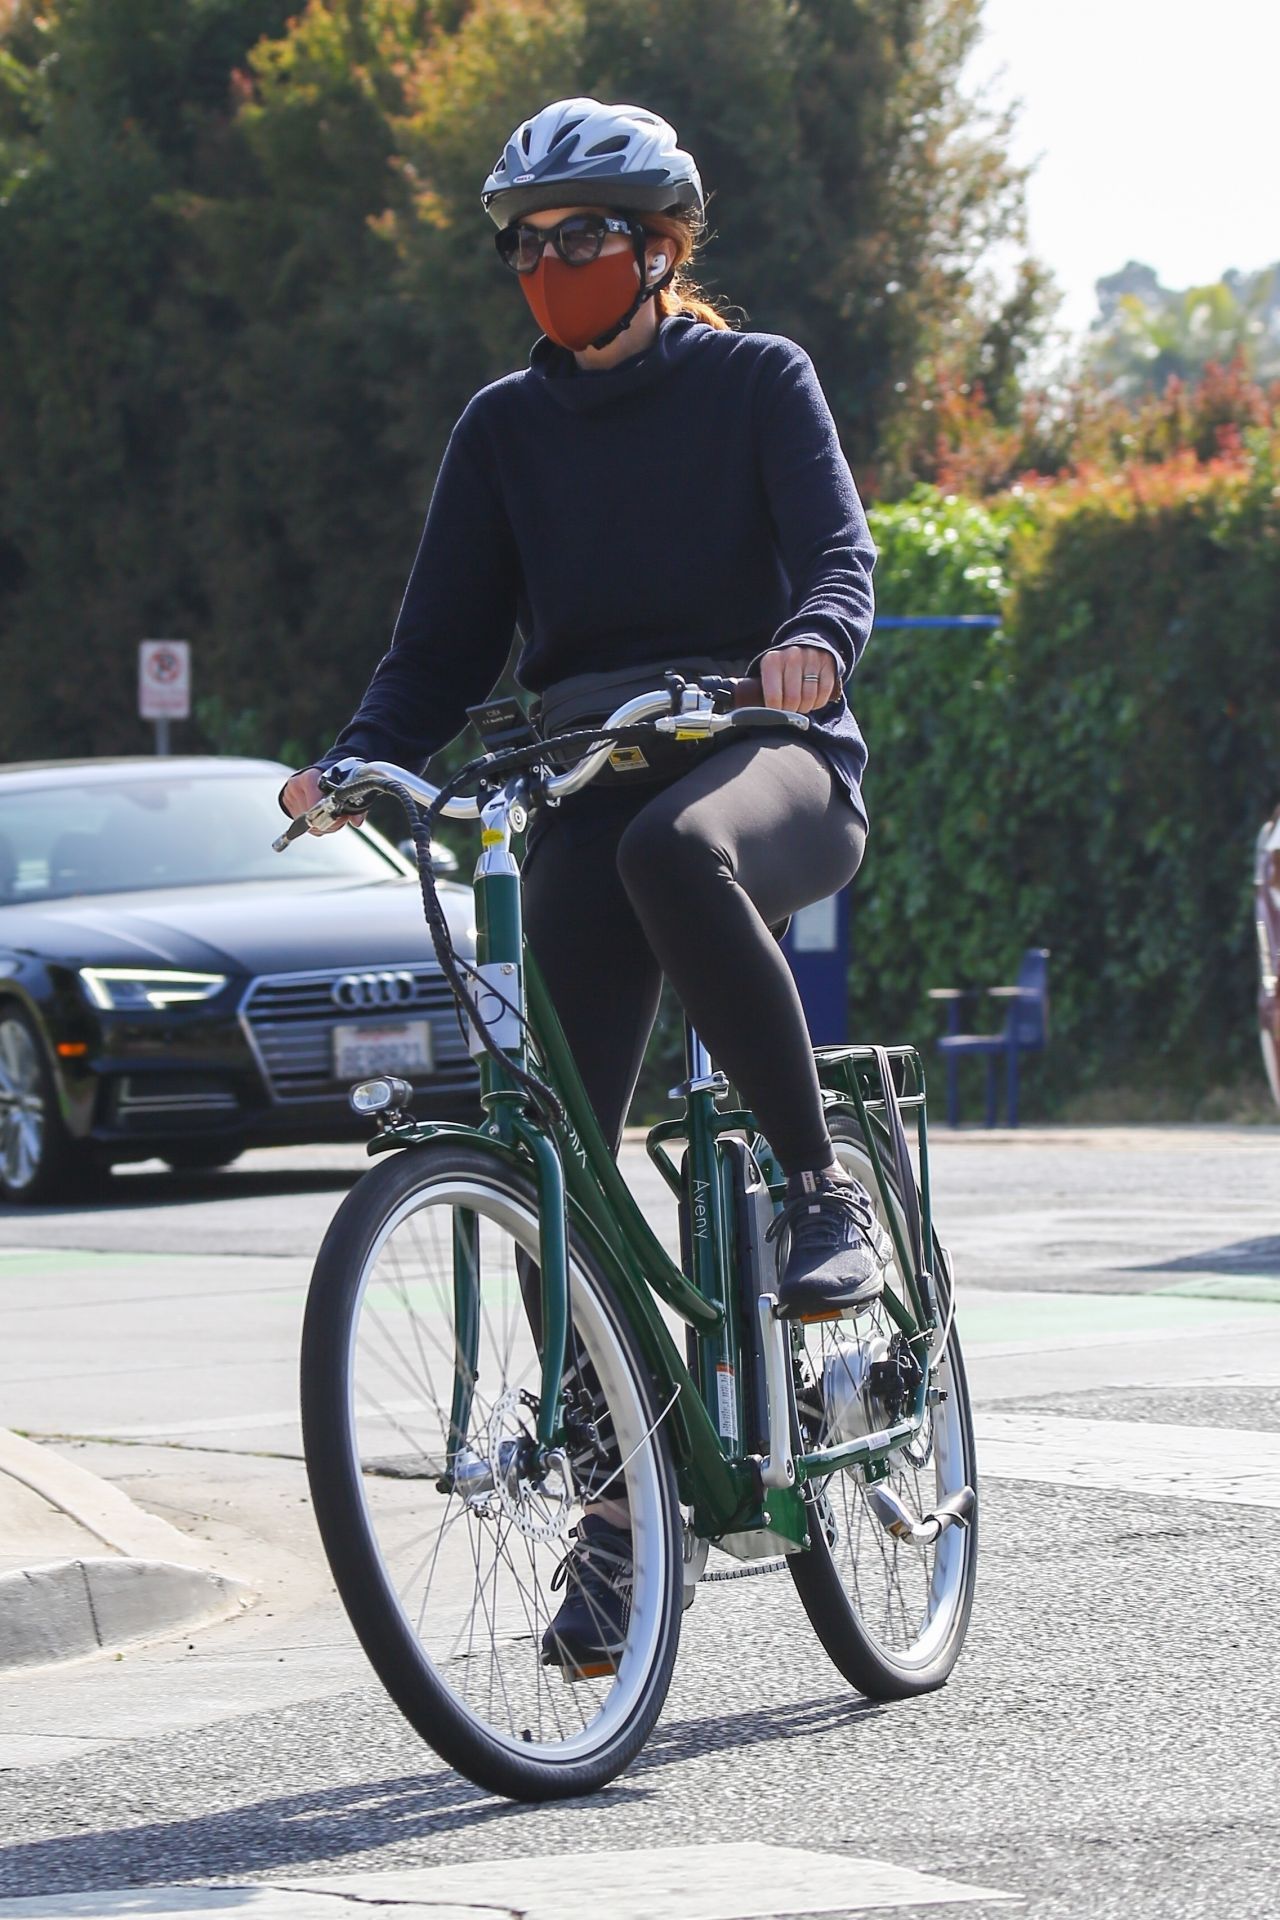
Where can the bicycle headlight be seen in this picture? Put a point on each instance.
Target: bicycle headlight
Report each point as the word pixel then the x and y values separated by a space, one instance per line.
pixel 384 1095
pixel 147 989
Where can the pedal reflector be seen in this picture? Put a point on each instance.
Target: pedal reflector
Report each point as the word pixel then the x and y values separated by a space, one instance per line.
pixel 598 1672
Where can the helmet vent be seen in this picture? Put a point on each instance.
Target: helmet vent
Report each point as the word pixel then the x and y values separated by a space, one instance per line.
pixel 525 134
pixel 618 144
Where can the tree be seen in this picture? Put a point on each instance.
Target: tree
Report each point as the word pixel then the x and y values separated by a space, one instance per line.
pixel 1147 334
pixel 245 290
pixel 105 110
pixel 856 192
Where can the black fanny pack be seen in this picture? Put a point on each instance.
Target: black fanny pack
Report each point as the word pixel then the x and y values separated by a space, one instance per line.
pixel 586 699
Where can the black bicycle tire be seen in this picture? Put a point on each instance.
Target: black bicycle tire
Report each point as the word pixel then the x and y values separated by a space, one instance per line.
pixel 822 1593
pixel 424 1700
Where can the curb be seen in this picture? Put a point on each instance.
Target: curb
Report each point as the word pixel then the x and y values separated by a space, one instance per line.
pixel 148 1583
pixel 94 1504
pixel 74 1608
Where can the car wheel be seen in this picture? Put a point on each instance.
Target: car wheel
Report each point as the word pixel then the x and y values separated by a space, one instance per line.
pixel 38 1158
pixel 201 1156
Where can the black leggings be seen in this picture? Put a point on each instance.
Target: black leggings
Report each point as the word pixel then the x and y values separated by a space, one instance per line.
pixel 623 886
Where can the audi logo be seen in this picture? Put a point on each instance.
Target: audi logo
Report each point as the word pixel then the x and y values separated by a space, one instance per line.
pixel 355 991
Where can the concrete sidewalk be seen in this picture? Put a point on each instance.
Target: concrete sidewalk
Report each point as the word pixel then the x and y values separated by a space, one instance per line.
pixel 84 1570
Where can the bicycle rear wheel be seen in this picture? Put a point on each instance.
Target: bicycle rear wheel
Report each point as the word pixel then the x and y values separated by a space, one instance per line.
pixel 892 1614
pixel 417 1352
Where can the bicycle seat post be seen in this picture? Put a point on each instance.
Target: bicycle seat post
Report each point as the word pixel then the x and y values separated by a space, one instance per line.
pixel 698 1062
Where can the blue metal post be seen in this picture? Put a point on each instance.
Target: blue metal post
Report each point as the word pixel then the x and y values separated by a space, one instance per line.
pixel 817 949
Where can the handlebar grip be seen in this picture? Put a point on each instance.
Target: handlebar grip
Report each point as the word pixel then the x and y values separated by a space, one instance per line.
pixel 771 717
pixel 748 693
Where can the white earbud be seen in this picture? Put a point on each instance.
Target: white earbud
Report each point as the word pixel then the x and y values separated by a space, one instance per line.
pixel 659 266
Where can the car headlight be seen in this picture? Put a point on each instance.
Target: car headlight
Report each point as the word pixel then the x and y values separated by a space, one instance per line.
pixel 147 989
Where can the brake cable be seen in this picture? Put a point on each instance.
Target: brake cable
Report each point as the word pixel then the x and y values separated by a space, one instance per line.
pixel 481 771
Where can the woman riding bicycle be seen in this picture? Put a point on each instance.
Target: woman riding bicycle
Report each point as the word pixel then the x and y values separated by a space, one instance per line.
pixel 656 491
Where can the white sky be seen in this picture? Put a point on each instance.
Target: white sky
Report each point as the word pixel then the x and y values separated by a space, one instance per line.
pixel 1157 123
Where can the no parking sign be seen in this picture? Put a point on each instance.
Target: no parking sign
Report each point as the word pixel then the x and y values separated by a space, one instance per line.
pixel 164 679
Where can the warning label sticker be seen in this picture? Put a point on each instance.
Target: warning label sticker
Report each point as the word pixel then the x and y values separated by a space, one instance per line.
pixel 728 1400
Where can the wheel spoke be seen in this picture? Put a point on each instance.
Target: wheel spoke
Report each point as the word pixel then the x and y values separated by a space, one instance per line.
pixel 900 1597
pixel 471 1580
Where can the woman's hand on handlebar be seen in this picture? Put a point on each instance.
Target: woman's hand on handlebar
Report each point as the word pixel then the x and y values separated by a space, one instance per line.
pixel 302 792
pixel 787 676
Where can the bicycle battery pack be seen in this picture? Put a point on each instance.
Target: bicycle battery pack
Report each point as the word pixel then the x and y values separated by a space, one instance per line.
pixel 753 1213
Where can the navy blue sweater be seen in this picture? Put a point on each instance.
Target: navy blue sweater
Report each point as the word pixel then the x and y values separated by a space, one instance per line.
pixel 693 500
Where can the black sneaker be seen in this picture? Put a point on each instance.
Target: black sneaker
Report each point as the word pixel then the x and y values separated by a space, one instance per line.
pixel 836 1253
pixel 587 1635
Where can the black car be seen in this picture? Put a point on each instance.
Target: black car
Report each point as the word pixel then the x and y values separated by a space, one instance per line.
pixel 171 987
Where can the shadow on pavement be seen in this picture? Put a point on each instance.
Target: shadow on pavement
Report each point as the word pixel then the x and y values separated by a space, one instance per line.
pixel 802 1720
pixel 298 1833
pixel 1248 1256
pixel 309 1832
pixel 121 1192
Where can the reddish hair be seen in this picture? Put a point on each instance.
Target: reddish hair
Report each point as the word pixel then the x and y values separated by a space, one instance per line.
pixel 682 294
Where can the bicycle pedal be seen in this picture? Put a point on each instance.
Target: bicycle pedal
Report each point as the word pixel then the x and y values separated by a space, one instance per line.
pixel 599 1671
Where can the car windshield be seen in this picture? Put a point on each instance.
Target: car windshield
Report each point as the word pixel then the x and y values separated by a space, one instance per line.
pixel 117 836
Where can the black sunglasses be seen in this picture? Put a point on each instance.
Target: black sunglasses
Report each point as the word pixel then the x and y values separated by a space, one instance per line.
pixel 577 239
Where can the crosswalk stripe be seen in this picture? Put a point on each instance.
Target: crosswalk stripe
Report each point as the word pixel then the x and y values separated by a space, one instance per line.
pixel 747 1882
pixel 1142 1457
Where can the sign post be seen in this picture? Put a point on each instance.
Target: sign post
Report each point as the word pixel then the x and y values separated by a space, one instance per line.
pixel 817 948
pixel 164 685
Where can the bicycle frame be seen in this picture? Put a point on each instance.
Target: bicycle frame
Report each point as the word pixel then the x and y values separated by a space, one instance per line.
pixel 577 1178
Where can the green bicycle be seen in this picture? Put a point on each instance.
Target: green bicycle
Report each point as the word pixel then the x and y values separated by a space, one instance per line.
pixel 485 1348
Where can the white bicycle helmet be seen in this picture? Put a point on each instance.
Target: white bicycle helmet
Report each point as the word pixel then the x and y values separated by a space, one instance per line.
pixel 584 152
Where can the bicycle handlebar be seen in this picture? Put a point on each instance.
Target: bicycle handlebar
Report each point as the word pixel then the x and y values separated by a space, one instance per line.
pixel 360 779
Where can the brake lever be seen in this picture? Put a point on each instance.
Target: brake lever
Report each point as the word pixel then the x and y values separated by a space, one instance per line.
pixel 323 811
pixel 294 831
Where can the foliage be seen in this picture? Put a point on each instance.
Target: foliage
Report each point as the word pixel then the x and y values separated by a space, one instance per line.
pixel 932 898
pixel 1148 334
pixel 246 290
pixel 1078 428
pixel 112 110
pixel 1091 776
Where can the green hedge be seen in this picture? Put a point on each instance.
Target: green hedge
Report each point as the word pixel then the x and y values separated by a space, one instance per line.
pixel 1089 777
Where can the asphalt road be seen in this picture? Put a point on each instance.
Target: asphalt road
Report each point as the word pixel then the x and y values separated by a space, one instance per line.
pixel 1106 1745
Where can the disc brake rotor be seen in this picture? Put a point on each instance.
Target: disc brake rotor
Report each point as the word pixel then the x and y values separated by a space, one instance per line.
pixel 535 1497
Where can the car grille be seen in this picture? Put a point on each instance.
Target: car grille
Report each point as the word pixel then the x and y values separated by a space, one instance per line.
pixel 143 1104
pixel 291 1016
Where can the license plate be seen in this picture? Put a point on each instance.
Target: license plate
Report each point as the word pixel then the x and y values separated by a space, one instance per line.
pixel 399 1046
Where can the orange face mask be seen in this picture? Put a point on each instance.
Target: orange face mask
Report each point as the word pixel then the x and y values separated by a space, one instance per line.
pixel 575 305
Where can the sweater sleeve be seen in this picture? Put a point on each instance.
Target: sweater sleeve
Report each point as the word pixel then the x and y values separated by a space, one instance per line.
pixel 454 629
pixel 823 539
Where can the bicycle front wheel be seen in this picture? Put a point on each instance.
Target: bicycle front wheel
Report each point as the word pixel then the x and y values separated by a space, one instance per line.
pixel 891 1613
pixel 420 1377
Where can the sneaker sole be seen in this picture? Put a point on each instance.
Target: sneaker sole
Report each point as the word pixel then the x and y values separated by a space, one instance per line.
pixel 841 1312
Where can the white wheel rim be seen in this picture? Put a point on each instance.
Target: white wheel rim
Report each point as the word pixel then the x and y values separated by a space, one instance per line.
pixel 574 1721
pixel 22 1107
pixel 907 1598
